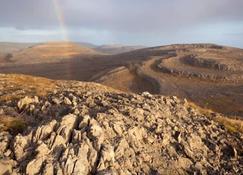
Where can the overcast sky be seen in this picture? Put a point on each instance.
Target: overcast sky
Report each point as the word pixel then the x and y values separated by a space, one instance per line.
pixel 133 22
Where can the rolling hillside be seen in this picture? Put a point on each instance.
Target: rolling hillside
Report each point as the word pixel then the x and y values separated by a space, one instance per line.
pixel 206 74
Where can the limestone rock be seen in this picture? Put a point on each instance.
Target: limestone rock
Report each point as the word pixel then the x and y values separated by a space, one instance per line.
pixel 7 166
pixel 20 144
pixel 5 139
pixel 107 157
pixel 34 167
pixel 83 129
pixel 26 101
pixel 66 126
pixel 67 101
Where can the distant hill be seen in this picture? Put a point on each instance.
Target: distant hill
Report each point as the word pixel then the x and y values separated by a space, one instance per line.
pixel 89 45
pixel 7 47
pixel 117 48
pixel 7 50
pixel 29 53
pixel 43 52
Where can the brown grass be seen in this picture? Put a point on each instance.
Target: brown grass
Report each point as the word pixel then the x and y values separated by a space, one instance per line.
pixel 12 124
pixel 225 104
pixel 27 84
pixel 231 124
pixel 205 111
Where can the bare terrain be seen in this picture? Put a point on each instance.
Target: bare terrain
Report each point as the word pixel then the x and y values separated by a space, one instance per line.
pixel 70 127
pixel 209 75
pixel 116 48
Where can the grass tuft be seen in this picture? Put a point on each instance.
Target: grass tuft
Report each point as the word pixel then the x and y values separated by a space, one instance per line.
pixel 233 125
pixel 230 123
pixel 13 125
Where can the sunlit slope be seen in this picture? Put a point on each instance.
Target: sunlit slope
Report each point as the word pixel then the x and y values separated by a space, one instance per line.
pixel 48 52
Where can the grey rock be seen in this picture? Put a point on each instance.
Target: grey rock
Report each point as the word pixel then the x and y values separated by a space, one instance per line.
pixel 67 101
pixel 5 139
pixel 26 101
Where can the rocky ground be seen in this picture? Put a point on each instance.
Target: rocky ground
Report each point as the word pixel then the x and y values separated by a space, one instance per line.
pixel 85 128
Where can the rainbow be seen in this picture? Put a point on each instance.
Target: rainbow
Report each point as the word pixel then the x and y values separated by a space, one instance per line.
pixel 61 19
pixel 64 30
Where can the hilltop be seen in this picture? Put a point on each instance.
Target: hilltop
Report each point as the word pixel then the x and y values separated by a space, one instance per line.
pixel 71 127
pixel 44 53
pixel 117 48
pixel 15 54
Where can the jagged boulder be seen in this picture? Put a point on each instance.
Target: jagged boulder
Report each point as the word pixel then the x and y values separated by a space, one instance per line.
pixel 26 101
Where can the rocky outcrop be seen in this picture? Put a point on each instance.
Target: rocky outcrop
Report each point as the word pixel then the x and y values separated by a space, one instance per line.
pixel 76 131
pixel 25 102
pixel 197 66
